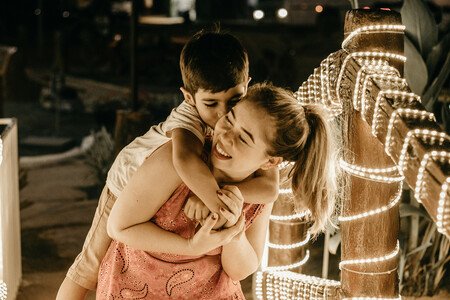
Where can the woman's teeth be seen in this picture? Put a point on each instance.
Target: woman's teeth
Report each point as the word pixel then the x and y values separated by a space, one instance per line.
pixel 221 151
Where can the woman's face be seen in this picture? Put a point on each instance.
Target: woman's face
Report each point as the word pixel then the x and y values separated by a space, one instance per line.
pixel 241 141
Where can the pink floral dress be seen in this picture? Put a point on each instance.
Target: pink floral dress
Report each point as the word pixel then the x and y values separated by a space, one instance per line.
pixel 127 273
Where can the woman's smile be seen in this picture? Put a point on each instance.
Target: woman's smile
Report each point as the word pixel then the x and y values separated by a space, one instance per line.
pixel 220 153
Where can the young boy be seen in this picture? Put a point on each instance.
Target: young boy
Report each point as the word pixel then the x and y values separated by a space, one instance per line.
pixel 214 68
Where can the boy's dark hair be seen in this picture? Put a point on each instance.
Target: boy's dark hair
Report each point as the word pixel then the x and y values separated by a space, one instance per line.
pixel 214 61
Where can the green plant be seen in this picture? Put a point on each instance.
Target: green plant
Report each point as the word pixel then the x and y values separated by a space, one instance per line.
pixel 428 58
pixel 425 253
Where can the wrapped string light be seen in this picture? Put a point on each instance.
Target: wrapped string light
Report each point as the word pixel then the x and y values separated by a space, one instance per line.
pixel 372 298
pixel 382 94
pixel 290 266
pixel 386 257
pixel 425 133
pixel 441 207
pixel 392 202
pixel 423 164
pixel 365 58
pixel 289 285
pixel 371 173
pixel 408 113
pixel 291 246
pixel 381 28
pixel 3 290
pixel 380 70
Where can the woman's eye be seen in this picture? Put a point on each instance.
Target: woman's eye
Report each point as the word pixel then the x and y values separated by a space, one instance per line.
pixel 227 119
pixel 240 137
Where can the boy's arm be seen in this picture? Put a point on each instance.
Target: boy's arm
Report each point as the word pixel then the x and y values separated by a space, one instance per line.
pixel 261 189
pixel 187 151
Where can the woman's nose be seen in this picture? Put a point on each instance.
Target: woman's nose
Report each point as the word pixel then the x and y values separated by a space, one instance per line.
pixel 228 137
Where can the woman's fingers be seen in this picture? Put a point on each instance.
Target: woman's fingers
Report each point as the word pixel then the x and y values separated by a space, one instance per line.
pixel 209 222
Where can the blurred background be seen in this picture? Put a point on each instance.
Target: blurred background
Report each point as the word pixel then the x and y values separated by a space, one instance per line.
pixel 70 69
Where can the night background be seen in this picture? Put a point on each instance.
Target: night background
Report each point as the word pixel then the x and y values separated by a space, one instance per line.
pixel 72 72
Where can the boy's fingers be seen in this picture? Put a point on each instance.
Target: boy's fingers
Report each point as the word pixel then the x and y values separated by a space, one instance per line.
pixel 198 214
pixel 233 190
pixel 205 212
pixel 232 204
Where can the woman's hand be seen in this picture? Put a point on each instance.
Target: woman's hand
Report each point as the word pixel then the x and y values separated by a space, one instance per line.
pixel 231 196
pixel 207 239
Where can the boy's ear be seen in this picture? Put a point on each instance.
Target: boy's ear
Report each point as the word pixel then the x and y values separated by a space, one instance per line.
pixel 188 96
pixel 273 162
pixel 246 86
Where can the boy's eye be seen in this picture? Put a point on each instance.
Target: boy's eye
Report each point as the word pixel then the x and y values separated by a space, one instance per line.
pixel 211 104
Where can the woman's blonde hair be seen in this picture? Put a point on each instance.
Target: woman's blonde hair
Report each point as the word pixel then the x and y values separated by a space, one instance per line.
pixel 302 136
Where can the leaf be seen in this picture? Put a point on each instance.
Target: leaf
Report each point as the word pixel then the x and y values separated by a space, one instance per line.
pixel 420 25
pixel 407 210
pixel 333 243
pixel 416 73
pixel 431 94
pixel 421 247
pixel 437 55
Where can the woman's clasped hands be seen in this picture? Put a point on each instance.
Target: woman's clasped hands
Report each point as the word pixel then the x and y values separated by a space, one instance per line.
pixel 210 235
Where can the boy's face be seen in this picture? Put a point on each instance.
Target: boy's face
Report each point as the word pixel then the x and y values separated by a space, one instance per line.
pixel 212 106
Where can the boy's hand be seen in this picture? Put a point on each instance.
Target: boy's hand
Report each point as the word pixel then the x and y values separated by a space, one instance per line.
pixel 231 196
pixel 195 209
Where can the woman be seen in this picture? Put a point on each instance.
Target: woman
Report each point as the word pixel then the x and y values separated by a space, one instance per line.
pixel 167 258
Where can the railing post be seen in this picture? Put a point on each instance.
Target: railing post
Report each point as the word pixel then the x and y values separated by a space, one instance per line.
pixel 373 236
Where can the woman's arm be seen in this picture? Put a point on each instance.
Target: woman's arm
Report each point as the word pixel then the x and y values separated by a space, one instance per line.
pixel 149 188
pixel 242 256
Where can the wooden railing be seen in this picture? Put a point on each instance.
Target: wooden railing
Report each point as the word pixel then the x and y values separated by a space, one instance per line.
pixel 390 138
pixel 10 249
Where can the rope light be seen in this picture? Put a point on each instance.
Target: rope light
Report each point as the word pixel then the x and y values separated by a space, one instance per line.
pixel 382 28
pixel 289 285
pixel 301 215
pixel 365 55
pixel 371 260
pixel 441 206
pixel 404 112
pixel 426 133
pixel 290 246
pixel 382 72
pixel 289 267
pixel 369 174
pixel 372 298
pixel 394 201
pixel 421 171
pixel 3 288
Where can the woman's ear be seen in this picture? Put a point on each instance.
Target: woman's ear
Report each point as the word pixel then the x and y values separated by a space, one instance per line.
pixel 187 96
pixel 273 162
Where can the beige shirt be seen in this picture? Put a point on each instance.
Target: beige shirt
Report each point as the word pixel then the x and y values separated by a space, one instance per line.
pixel 133 155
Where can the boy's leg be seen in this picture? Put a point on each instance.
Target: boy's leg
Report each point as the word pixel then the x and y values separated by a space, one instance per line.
pixel 82 275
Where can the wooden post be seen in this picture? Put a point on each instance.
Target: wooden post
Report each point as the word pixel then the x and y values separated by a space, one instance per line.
pixel 286 231
pixel 373 236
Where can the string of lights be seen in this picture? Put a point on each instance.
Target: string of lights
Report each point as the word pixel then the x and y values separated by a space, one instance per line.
pixel 369 174
pixel 423 165
pixel 381 28
pixel 291 246
pixel 406 113
pixel 441 206
pixel 378 259
pixel 392 202
pixel 290 266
